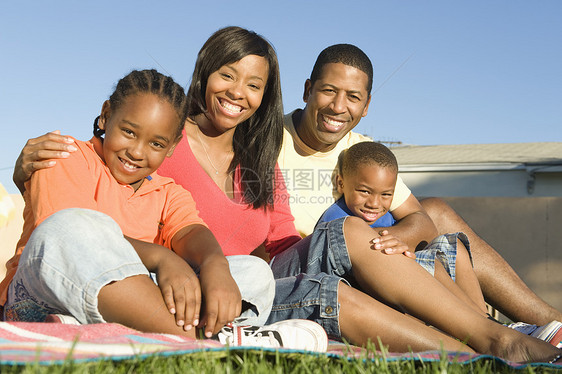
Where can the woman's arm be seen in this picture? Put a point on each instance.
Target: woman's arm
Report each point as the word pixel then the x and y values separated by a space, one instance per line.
pixel 40 153
pixel 282 232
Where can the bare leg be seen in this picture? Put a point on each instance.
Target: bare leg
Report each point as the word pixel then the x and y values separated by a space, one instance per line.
pixel 502 287
pixel 457 289
pixel 400 281
pixel 137 302
pixel 396 330
pixel 466 278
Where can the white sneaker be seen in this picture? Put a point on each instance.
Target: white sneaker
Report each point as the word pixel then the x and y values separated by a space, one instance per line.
pixel 299 334
pixel 550 333
pixel 523 327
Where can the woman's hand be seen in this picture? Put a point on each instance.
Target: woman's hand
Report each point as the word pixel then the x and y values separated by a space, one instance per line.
pixel 222 298
pixel 390 244
pixel 40 153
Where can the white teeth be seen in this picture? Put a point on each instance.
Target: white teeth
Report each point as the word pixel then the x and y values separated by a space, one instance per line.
pixel 370 215
pixel 231 107
pixel 333 122
pixel 129 166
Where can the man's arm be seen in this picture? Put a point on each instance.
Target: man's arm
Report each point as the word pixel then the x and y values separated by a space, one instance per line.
pixel 414 227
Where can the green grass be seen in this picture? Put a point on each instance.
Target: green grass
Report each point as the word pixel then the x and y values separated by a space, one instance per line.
pixel 251 361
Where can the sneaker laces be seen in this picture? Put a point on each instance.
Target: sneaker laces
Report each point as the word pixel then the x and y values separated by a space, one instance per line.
pixel 250 336
pixel 263 338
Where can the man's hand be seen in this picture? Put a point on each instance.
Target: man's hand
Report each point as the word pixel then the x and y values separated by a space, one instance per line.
pixel 390 245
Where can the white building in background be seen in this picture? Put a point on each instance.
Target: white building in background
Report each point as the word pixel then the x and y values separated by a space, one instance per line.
pixel 491 170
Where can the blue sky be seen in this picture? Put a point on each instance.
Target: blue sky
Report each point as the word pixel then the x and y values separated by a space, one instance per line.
pixel 446 72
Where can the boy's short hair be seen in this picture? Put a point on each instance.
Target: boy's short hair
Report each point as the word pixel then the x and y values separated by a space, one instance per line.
pixel 366 153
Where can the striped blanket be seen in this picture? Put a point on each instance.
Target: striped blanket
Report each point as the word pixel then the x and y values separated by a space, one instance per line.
pixel 54 343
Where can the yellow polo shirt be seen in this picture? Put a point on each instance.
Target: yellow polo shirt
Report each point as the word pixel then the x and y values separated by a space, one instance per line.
pixel 310 175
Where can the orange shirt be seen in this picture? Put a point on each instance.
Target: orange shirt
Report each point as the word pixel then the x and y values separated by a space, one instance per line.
pixel 154 213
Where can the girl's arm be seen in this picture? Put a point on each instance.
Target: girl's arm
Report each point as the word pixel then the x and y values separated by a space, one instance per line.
pixel 223 301
pixel 176 279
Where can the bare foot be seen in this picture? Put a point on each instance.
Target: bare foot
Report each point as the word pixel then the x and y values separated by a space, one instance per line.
pixel 525 349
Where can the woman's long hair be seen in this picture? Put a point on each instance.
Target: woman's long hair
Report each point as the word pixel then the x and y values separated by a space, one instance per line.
pixel 257 141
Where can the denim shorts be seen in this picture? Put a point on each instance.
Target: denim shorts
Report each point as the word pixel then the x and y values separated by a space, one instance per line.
pixel 75 252
pixel 307 277
pixel 308 274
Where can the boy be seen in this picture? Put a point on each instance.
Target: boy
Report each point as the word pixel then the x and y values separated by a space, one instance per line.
pixel 367 174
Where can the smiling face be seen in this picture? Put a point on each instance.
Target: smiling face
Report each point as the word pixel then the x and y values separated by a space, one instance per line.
pixel 139 134
pixel 335 104
pixel 234 93
pixel 368 191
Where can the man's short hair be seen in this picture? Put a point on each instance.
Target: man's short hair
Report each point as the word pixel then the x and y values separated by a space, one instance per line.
pixel 347 54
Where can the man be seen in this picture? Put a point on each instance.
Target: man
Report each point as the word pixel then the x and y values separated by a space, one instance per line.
pixel 337 96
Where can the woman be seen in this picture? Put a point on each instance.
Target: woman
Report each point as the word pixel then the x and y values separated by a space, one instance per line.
pixel 231 142
pixel 227 161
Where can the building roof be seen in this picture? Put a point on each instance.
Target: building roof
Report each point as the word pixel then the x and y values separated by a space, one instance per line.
pixel 545 153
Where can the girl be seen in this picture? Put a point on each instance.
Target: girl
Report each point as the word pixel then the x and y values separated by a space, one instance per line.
pixel 85 266
pixel 88 252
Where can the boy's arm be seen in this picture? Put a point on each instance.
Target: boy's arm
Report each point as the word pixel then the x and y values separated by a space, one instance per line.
pixel 222 300
pixel 413 226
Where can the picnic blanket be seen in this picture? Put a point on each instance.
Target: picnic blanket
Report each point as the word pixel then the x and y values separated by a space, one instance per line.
pixel 54 343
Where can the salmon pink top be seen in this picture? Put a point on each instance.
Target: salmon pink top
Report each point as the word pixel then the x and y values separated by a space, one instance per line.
pixel 238 227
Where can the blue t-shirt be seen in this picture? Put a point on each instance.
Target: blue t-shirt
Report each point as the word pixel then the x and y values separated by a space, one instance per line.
pixel 339 209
